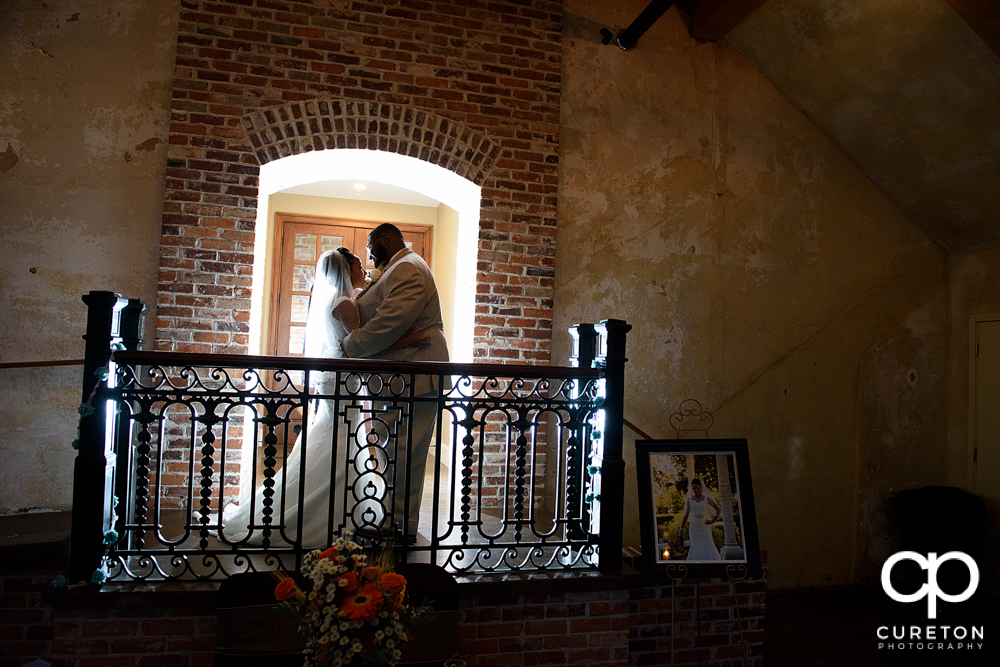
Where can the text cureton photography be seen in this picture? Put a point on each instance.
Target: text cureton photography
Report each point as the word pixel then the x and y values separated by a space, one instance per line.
pixel 931 637
pixel 937 634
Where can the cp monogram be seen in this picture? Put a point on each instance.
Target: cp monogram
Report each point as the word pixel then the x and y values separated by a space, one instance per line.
pixel 930 590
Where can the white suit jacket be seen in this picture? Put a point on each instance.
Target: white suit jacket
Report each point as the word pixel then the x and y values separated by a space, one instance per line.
pixel 405 295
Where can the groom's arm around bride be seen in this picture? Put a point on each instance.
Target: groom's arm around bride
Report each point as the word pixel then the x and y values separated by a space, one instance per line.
pixel 404 296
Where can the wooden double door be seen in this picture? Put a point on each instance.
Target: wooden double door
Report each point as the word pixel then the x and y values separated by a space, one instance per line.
pixel 299 241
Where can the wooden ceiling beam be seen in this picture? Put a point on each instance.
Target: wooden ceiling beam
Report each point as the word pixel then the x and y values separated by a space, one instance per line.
pixel 983 16
pixel 712 19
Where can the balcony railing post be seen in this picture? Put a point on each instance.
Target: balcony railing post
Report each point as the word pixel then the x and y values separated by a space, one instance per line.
pixel 132 317
pixel 93 473
pixel 584 345
pixel 577 515
pixel 612 351
pixel 130 330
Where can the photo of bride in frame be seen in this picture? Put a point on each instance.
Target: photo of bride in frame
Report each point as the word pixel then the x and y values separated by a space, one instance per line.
pixel 696 508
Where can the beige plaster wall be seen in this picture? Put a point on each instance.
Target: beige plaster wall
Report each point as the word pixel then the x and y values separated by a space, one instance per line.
pixel 902 406
pixel 765 276
pixel 907 89
pixel 84 109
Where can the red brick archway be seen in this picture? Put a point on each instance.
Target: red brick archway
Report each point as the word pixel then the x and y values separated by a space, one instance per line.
pixel 278 132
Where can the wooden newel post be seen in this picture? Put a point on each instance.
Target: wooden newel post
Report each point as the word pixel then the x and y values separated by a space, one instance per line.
pixel 612 501
pixel 93 473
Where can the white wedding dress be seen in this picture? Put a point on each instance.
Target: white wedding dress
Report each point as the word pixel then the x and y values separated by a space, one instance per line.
pixel 320 452
pixel 702 544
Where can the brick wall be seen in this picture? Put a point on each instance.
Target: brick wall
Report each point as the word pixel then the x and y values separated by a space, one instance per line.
pixel 710 604
pixel 25 621
pixel 622 622
pixel 139 636
pixel 589 628
pixel 473 87
pixel 587 620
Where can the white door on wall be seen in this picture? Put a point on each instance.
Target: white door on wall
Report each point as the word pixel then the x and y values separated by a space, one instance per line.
pixel 985 481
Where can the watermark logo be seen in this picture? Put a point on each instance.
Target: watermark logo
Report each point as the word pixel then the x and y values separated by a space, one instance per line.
pixel 930 590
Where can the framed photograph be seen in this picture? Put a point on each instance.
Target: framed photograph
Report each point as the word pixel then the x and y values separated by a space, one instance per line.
pixel 696 508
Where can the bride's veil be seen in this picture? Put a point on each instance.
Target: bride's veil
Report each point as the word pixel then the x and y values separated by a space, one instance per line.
pixel 333 280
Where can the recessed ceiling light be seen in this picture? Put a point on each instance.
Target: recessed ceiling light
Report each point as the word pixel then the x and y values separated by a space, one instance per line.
pixel 360 186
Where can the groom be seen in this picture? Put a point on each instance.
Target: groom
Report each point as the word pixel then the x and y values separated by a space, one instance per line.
pixel 402 297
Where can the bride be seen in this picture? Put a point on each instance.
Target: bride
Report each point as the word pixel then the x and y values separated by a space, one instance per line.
pixel 696 506
pixel 332 315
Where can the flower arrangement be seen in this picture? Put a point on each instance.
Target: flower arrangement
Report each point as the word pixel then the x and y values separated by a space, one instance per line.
pixel 354 614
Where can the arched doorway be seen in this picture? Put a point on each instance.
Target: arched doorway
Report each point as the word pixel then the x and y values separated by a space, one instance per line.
pixel 455 222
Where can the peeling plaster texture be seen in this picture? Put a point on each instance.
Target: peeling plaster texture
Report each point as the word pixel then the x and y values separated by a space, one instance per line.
pixel 84 114
pixel 38 458
pixel 903 381
pixel 907 90
pixel 758 266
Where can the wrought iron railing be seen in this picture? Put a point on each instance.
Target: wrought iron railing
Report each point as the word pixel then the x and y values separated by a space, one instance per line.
pixel 524 460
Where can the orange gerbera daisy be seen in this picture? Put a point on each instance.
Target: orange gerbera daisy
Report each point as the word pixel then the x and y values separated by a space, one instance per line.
pixel 362 604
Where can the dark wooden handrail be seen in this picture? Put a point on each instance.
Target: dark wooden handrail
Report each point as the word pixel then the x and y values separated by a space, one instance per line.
pixel 637 430
pixel 42 364
pixel 365 365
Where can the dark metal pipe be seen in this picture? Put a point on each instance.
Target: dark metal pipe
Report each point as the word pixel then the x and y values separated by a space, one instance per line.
pixel 628 38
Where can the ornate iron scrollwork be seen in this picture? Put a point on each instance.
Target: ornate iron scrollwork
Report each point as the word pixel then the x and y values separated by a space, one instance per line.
pixel 491 514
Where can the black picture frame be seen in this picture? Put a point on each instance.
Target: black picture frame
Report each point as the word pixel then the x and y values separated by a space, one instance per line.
pixel 667 472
